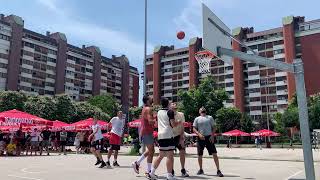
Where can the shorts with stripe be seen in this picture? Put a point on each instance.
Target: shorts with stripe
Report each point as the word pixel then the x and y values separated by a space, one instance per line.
pixel 166 144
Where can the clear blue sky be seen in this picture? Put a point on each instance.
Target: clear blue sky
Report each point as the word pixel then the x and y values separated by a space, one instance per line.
pixel 116 26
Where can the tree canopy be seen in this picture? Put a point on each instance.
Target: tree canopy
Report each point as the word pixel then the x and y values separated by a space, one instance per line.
pixel 207 95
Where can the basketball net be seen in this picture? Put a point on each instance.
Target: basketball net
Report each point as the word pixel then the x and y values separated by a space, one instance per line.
pixel 204 59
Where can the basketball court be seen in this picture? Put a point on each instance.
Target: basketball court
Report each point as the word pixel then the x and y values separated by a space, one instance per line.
pixel 80 167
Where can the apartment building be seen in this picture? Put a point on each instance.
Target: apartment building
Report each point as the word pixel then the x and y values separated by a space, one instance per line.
pixel 47 65
pixel 252 88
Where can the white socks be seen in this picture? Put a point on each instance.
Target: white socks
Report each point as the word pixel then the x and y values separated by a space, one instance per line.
pixel 153 170
pixel 149 167
pixel 141 158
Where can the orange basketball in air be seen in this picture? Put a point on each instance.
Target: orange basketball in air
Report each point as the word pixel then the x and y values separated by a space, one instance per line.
pixel 181 35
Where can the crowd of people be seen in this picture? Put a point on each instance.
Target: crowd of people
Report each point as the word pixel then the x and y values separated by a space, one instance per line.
pixel 171 136
pixel 37 141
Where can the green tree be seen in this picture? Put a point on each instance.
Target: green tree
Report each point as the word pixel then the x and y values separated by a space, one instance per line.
pixel 246 123
pixel 290 117
pixel 207 95
pixel 263 122
pixel 135 113
pixel 228 119
pixel 84 110
pixel 279 124
pixel 106 103
pixel 65 109
pixel 12 100
pixel 314 112
pixel 42 106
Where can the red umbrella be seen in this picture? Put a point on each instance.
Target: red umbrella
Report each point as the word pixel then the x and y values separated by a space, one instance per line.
pixel 86 125
pixel 58 125
pixel 22 118
pixel 135 123
pixel 235 132
pixel 265 132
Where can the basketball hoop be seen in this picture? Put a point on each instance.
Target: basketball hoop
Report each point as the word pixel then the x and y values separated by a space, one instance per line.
pixel 204 58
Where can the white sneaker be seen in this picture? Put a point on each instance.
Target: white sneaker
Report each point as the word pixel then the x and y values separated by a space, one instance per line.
pixel 171 177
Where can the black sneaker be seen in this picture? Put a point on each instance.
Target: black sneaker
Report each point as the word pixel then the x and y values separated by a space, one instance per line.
pixel 172 171
pixel 108 164
pixel 116 164
pixel 103 164
pixel 219 173
pixel 135 167
pixel 98 162
pixel 184 173
pixel 151 176
pixel 200 172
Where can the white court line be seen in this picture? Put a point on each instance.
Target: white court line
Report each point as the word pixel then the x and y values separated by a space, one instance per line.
pixel 25 170
pixel 295 174
pixel 23 177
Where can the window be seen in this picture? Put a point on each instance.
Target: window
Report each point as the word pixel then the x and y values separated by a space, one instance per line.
pixel 269 54
pixel 252 73
pixel 229 84
pixel 229 76
pixel 279 51
pixel 278 42
pixel 261 47
pixel 254 90
pixel 269 45
pixel 30 45
pixel 256 81
pixel 50 51
pixel 4 37
pixel 251 64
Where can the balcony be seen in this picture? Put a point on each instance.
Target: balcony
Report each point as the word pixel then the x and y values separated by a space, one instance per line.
pixel 281 102
pixel 280 74
pixel 276 47
pixel 282 92
pixel 278 56
pixel 281 83
pixel 254 68
pixel 251 77
pixel 255 103
pixel 257 94
pixel 252 86
pixel 257 112
pixel 229 88
pixel 228 80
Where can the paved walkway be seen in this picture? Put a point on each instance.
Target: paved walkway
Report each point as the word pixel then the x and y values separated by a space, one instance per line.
pixel 254 154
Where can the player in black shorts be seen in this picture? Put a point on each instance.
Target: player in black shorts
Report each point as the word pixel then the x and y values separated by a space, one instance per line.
pixel 204 127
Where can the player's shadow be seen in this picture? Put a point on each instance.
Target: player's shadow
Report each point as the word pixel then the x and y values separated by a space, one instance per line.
pixel 123 167
pixel 197 177
pixel 225 175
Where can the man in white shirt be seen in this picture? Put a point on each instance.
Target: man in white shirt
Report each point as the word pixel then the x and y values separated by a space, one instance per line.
pixel 166 123
pixel 178 132
pixel 96 143
pixel 35 139
pixel 115 137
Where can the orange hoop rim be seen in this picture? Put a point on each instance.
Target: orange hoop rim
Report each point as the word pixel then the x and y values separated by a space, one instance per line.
pixel 206 52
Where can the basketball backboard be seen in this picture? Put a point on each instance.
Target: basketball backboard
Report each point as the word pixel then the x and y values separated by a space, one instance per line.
pixel 214 33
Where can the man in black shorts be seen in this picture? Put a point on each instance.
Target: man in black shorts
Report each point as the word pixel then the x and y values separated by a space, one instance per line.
pixel 96 139
pixel 45 140
pixel 204 127
pixel 166 122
